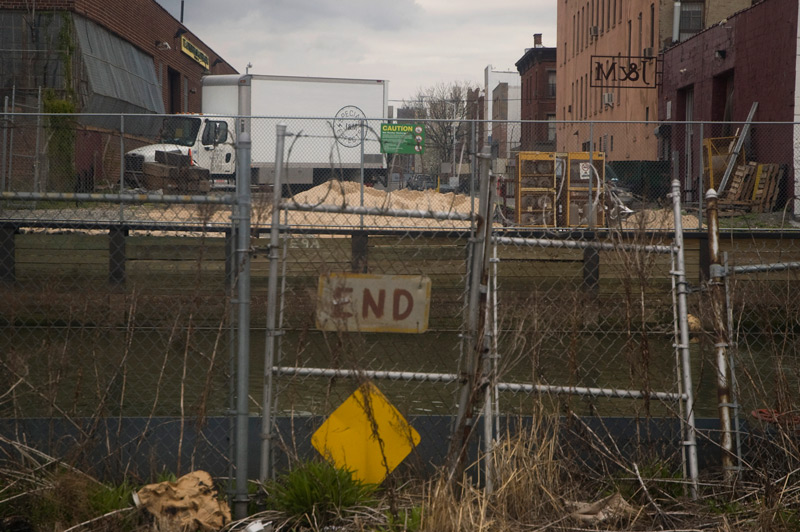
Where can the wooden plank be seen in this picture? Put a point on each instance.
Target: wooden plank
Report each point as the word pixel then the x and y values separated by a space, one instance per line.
pixel 172 158
pixel 160 170
pixel 70 241
pixel 772 195
pixel 61 256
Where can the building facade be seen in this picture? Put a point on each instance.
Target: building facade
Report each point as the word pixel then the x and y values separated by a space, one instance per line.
pixel 491 79
pixel 506 120
pixel 537 70
pixel 100 58
pixel 608 68
pixel 98 48
pixel 750 57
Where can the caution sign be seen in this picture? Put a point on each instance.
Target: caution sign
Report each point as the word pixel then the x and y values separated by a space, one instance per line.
pixel 403 138
pixel 366 435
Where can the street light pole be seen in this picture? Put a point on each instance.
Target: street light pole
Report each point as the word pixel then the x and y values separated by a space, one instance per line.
pixel 455 131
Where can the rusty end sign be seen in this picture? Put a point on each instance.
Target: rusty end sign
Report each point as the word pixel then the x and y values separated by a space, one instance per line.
pixel 373 303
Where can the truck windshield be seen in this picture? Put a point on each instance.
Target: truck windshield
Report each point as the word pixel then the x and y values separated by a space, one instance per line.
pixel 180 130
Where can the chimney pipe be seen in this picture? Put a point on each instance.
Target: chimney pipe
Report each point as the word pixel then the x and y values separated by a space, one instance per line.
pixel 537 40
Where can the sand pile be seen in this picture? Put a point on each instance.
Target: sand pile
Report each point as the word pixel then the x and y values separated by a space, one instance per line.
pixel 348 194
pixel 655 219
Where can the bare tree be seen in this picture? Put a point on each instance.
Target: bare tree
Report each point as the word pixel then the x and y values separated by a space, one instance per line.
pixel 444 108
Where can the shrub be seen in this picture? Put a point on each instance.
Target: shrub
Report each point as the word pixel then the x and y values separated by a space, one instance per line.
pixel 317 494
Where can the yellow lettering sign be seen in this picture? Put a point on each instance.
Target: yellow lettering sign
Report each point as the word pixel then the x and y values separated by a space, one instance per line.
pixel 194 52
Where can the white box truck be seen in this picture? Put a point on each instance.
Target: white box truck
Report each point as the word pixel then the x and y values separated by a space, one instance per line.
pixel 329 120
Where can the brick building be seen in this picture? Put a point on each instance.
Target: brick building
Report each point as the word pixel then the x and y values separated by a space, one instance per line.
pixel 95 57
pixel 537 70
pixel 599 42
pixel 750 57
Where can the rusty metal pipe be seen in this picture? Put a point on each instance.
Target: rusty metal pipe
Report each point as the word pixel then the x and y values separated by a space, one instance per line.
pixel 717 293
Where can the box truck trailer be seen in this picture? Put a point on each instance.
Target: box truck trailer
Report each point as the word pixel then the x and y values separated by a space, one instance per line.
pixel 332 123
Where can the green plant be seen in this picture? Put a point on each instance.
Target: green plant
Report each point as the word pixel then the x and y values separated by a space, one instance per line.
pixel 60 499
pixel 406 520
pixel 318 493
pixel 103 499
pixel 166 476
pixel 61 139
pixel 663 480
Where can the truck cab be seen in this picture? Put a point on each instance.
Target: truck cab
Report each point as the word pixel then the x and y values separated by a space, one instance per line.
pixel 208 140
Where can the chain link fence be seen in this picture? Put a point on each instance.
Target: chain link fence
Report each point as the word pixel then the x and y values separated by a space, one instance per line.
pixel 760 340
pixel 119 312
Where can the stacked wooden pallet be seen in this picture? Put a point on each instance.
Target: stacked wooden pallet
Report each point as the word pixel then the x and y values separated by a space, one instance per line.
pixel 753 187
pixel 173 173
pixel 767 187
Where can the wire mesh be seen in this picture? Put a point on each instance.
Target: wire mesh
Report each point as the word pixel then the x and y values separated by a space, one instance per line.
pixel 117 315
pixel 762 338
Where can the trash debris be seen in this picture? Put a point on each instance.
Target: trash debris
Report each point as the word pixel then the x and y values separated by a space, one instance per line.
pixel 612 508
pixel 190 503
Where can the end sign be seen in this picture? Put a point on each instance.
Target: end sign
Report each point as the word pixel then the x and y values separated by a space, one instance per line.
pixel 358 302
pixel 403 138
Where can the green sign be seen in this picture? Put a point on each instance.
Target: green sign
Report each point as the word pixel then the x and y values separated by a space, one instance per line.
pixel 402 138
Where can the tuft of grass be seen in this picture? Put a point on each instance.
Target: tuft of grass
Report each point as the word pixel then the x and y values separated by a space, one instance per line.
pixel 317 494
pixel 406 520
pixel 65 499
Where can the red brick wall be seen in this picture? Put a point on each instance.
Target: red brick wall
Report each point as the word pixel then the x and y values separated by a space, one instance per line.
pixel 759 47
pixel 536 102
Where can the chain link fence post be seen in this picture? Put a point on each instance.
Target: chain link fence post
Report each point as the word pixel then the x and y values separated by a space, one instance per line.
pixel 465 422
pixel 690 442
pixel 243 146
pixel 272 305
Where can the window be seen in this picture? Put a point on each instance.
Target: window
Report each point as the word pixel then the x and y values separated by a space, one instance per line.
pixel 551 83
pixel 639 47
pixel 586 103
pixel 614 14
pixel 652 25
pixel 574 35
pixel 216 132
pixel 630 37
pixel 602 15
pixel 691 19
pixel 551 127
pixel 180 130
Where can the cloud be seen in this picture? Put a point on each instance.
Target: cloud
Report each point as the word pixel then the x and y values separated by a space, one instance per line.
pixel 412 43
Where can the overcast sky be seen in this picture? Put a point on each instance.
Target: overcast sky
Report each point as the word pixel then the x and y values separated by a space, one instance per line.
pixel 412 43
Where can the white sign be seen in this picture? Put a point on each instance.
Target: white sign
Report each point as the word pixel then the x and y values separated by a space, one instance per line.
pixel 586 171
pixel 360 302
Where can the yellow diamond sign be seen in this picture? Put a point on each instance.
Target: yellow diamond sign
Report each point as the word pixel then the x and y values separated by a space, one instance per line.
pixel 366 435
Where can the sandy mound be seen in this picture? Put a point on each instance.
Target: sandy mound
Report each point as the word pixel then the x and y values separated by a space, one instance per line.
pixel 655 219
pixel 348 194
